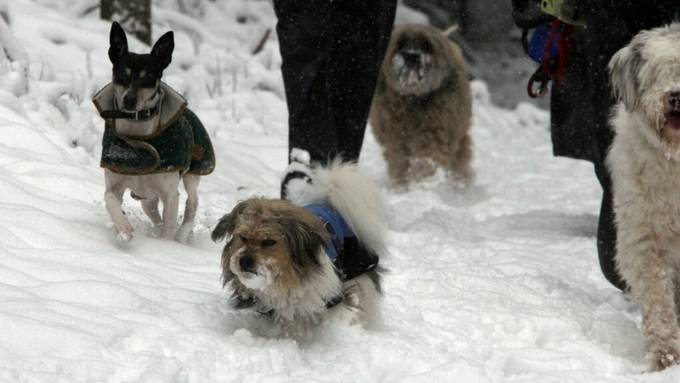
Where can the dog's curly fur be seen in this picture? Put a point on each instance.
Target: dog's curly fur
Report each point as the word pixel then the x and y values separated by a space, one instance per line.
pixel 644 161
pixel 422 107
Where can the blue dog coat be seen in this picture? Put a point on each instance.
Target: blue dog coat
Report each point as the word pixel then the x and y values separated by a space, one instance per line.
pixel 335 225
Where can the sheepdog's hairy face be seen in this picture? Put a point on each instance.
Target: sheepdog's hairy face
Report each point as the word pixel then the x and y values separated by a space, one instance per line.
pixel 417 60
pixel 645 76
pixel 272 245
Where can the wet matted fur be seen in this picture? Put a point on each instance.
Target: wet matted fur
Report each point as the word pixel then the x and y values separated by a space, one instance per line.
pixel 422 107
pixel 644 161
pixel 275 259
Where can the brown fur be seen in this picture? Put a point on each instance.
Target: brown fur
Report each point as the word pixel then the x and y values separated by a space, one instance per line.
pixel 279 262
pixel 420 132
pixel 298 235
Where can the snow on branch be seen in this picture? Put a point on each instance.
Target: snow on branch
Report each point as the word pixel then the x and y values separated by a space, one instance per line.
pixel 83 7
pixel 11 47
pixel 13 57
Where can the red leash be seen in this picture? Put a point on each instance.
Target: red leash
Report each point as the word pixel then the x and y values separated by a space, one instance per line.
pixel 564 46
pixel 546 72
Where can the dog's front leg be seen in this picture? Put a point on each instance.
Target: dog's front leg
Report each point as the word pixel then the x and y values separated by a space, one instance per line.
pixel 170 207
pixel 113 199
pixel 647 269
pixel 398 163
pixel 191 182
pixel 150 207
pixel 460 163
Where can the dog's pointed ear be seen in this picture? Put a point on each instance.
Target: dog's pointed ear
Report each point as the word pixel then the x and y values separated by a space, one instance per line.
pixel 304 239
pixel 162 50
pixel 624 67
pixel 118 42
pixel 227 223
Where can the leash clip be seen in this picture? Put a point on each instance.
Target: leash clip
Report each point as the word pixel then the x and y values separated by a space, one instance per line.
pixel 542 79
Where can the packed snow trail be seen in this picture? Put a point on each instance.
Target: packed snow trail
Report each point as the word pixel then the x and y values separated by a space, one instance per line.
pixel 496 282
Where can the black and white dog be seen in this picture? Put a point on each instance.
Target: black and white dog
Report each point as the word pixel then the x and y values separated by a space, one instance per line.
pixel 151 140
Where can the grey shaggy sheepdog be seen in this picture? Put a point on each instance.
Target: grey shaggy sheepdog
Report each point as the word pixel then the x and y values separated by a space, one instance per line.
pixel 422 106
pixel 644 161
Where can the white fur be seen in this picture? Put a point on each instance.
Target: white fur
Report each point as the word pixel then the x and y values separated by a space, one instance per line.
pixel 353 195
pixel 362 301
pixel 261 279
pixel 359 201
pixel 297 310
pixel 308 302
pixel 645 170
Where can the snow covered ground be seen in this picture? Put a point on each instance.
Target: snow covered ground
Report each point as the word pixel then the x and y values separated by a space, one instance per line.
pixel 497 282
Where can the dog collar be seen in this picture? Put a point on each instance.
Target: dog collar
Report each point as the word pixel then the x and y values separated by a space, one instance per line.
pixel 137 115
pixel 269 312
pixel 334 301
pixel 171 106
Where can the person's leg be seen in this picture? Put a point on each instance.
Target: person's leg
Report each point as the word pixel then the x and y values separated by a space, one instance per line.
pixel 361 34
pixel 606 230
pixel 305 32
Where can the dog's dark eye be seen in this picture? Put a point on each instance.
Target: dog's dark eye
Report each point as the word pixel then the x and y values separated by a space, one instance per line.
pixel 121 75
pixel 243 238
pixel 147 82
pixel 268 242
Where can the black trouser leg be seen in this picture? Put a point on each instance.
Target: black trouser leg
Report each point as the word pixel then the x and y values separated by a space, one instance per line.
pixel 331 51
pixel 362 32
pixel 305 30
pixel 606 230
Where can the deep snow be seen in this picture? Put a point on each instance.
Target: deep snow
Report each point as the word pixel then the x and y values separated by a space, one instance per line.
pixel 497 282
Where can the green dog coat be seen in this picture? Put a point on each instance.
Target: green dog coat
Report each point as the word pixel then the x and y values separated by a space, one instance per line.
pixel 181 144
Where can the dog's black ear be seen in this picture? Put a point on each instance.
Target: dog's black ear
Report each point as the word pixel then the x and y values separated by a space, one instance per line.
pixel 227 223
pixel 162 50
pixel 304 240
pixel 624 67
pixel 118 42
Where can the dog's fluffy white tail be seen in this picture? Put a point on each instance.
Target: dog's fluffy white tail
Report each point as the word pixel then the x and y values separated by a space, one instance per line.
pixel 354 196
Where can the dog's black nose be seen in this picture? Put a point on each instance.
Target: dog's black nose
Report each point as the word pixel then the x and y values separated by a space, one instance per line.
pixel 130 101
pixel 674 99
pixel 247 263
pixel 411 58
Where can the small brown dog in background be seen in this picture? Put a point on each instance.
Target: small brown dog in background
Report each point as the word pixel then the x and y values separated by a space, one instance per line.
pixel 422 106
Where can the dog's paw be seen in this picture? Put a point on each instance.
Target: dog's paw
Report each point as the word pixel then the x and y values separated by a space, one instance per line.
pixel 123 232
pixel 184 234
pixel 666 357
pixel 123 236
pixel 169 232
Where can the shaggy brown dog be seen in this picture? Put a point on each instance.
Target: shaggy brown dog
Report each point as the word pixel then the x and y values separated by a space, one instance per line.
pixel 295 263
pixel 422 106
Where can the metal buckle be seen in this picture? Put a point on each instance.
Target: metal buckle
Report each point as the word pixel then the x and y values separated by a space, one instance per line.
pixel 144 114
